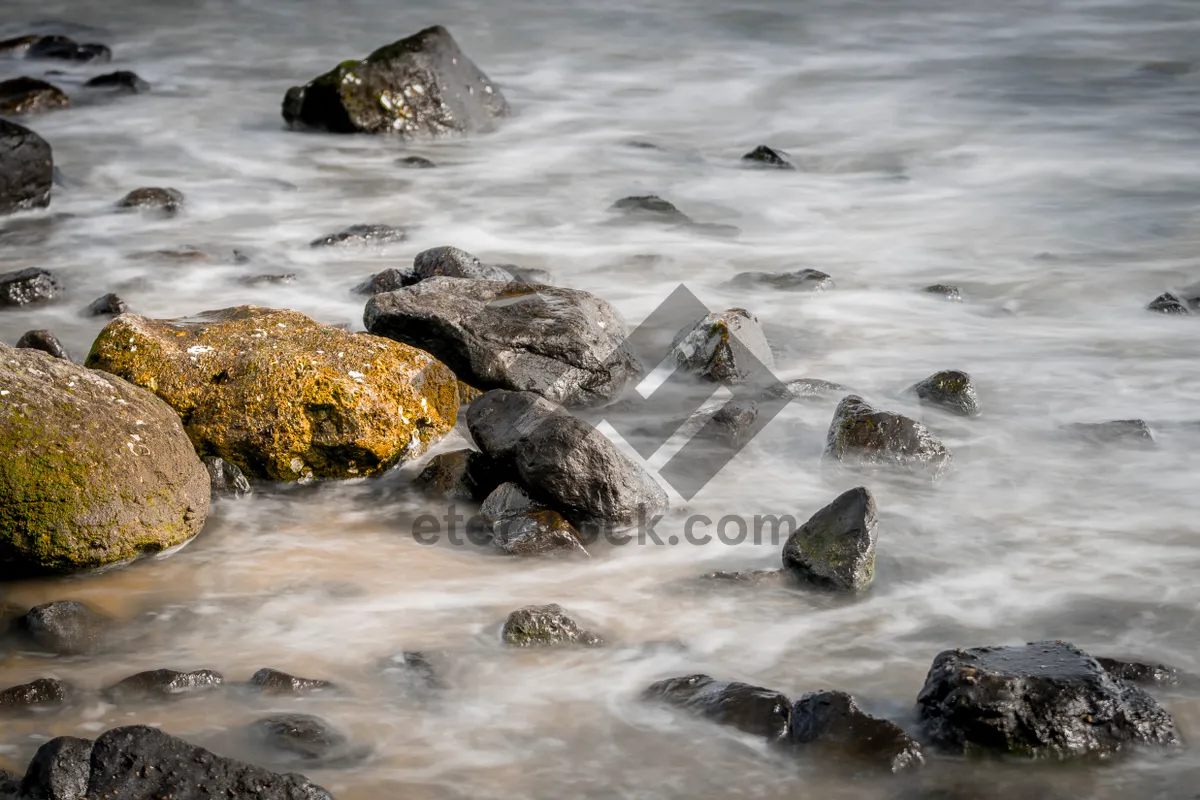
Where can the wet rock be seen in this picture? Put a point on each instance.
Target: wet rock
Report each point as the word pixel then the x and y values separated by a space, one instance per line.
pixel 153 198
pixel 1040 700
pixel 729 347
pixel 650 208
pixel 804 280
pixel 508 501
pixel 278 279
pixel 226 479
pixel 39 695
pixel 539 533
pixel 530 275
pixel 949 390
pixel 835 549
pixel 162 684
pixel 28 286
pixel 450 262
pixel 734 423
pixel 416 162
pixel 1128 432
pixel 808 389
pixel 120 81
pixel 834 723
pixel 769 157
pixel 389 280
pixel 361 236
pixel 106 306
pixel 952 293
pixel 546 626
pixel 64 48
pixel 59 770
pixel 67 628
pixel 1171 68
pixel 417 671
pixel 10 785
pixel 756 577
pixel 273 682
pixel 1168 303
pixel 20 96
pixel 863 436
pixel 26 169
pixel 422 86
pixel 1138 672
pixel 753 709
pixel 562 461
pixel 283 397
pixel 307 738
pixel 460 475
pixel 45 341
pixel 564 344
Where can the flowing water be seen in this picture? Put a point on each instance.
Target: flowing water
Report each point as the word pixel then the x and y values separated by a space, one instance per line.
pixel 1014 149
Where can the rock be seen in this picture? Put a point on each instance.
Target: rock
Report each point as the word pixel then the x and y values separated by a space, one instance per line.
pixel 142 763
pixel 1040 700
pixel 531 275
pixel 121 81
pixel 389 280
pixel 752 709
pixel 1138 672
pixel 39 695
pixel 834 723
pixel 450 262
pixel 861 435
pixel 268 280
pixel 162 684
pixel 153 198
pixel 10 785
pixel 361 236
pixel 307 738
pixel 756 577
pixel 106 306
pixel 417 671
pixel 952 293
pixel 729 347
pixel 416 162
pixel 949 390
pixel 835 549
pixel 1128 432
pixel 281 396
pixel 273 682
pixel 459 475
pixel 226 479
pixel 45 341
pixel 59 770
pixel 419 87
pixel 1168 303
pixel 769 157
pixel 734 423
pixel 1171 68
pixel 546 626
pixel 650 208
pixel 64 48
pixel 562 461
pixel 564 344
pixel 66 627
pixel 24 95
pixel 26 169
pixel 508 501
pixel 93 471
pixel 523 527
pixel 27 286
pixel 804 280
pixel 808 389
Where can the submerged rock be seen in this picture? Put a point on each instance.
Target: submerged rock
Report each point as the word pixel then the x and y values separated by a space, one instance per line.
pixel 42 694
pixel 834 723
pixel 153 198
pixel 59 770
pixel 45 341
pixel 416 162
pixel 1138 672
pixel 93 471
pixel 273 682
pixel 283 397
pixel 546 626
pixel 769 157
pixel 417 671
pixel 835 549
pixel 162 684
pixel 66 627
pixel 734 423
pixel 729 347
pixel 389 280
pixel 949 390
pixel 861 435
pixel 808 389
pixel 1040 700
pixel 226 479
pixel 754 577
pixel 652 209
pixel 362 236
pixel 752 709
pixel 307 738
pixel 460 475
pixel 421 86
pixel 564 344
pixel 952 293
pixel 27 286
pixel 26 169
pixel 1168 303
pixel 106 306
pixel 20 96
pixel 804 280
pixel 120 81
pixel 450 262
pixel 1127 432
pixel 57 48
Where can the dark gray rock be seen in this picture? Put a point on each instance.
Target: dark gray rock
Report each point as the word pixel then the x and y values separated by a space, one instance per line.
pixel 162 684
pixel 27 286
pixel 1040 700
pixel 734 423
pixel 562 461
pixel 835 549
pixel 833 723
pixel 273 682
pixel 308 739
pixel 1168 303
pixel 450 262
pixel 26 169
pixel 66 627
pixel 538 533
pixel 43 694
pixel 1139 672
pixel 460 475
pixel 753 709
pixel 769 157
pixel 653 210
pixel 417 672
pixel 564 344
pixel 729 347
pixel 508 501
pixel 121 81
pixel 59 770
pixel 863 436
pixel 277 279
pixel 1126 432
pixel 755 577
pixel 808 389
pixel 419 87
pixel 153 198
pixel 23 96
pixel 10 785
pixel 804 280
pixel 950 390
pixel 45 341
pixel 108 305
pixel 227 479
pixel 1172 69
pixel 546 626
pixel 361 236
pixel 416 162
pixel 389 280
pixel 952 293
pixel 64 48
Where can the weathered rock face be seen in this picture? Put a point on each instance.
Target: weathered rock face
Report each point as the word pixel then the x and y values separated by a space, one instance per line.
pixel 42 694
pixel 28 286
pixel 281 396
pixel 753 709
pixel 93 471
pixel 365 235
pixel 546 626
pixel 309 739
pixel 729 347
pixel 653 210
pixel 562 461
pixel 1139 672
pixel 226 479
pixel 66 627
pixel 804 280
pixel 417 672
pixel 450 262
pixel 26 169
pixel 45 341
pixel 950 390
pixel 863 436
pixel 835 549
pixel 768 157
pixel 1041 700
pixel 564 344
pixel 833 722
pixel 59 770
pixel 55 47
pixel 273 682
pixel 162 684
pixel 419 87
pixel 30 96
pixel 459 475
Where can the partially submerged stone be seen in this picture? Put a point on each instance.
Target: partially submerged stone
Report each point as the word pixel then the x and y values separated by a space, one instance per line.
pixel 120 81
pixel 225 478
pixel 950 390
pixel 273 682
pixel 162 684
pixel 653 210
pixel 27 286
pixel 808 389
pixel 43 694
pixel 729 347
pixel 389 280
pixel 769 157
pixel 45 341
pixel 1140 672
pixel 754 577
pixel 752 709
pixel 951 293
pixel 833 723
pixel 66 627
pixel 283 397
pixel 450 262
pixel 521 526
pixel 362 236
pixel 153 198
pixel 863 436
pixel 1128 432
pixel 308 739
pixel 417 671
pixel 835 548
pixel 1169 303
pixel 459 475
pixel 24 95
pixel 804 280
pixel 108 305
pixel 26 169
pixel 546 626
pixel 59 770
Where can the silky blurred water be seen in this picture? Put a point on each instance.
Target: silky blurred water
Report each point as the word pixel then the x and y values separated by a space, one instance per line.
pixel 1014 149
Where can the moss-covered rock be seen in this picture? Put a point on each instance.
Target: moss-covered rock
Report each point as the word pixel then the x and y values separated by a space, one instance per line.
pixel 283 397
pixel 546 626
pixel 950 390
pixel 835 549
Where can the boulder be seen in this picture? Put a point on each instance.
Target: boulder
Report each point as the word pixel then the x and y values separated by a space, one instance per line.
pixel 93 471
pixel 26 169
pixel 45 341
pixel 59 770
pixel 564 344
pixel 804 280
pixel 833 723
pixel 419 87
pixel 1040 700
pixel 951 293
pixel 546 626
pixel 19 96
pixel 1127 432
pixel 562 461
pixel 835 549
pixel 459 475
pixel 863 436
pixel 416 162
pixel 226 479
pixel 769 157
pixel 389 280
pixel 950 390
pixel 1168 303
pixel 42 694
pixel 108 305
pixel 122 81
pixel 273 682
pixel 752 709
pixel 523 527
pixel 808 389
pixel 66 627
pixel 306 738
pixel 162 684
pixel 361 236
pixel 450 262
pixel 28 286
pixel 153 198
pixel 729 347
pixel 1139 672
pixel 507 502
pixel 281 396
